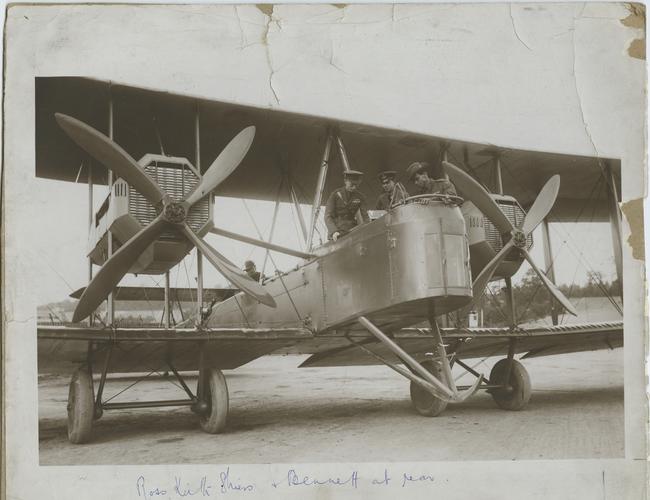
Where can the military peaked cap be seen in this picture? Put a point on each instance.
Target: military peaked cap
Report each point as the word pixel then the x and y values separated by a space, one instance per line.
pixel 387 174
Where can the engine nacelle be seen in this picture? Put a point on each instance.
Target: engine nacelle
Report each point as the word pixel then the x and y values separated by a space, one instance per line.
pixel 125 212
pixel 485 240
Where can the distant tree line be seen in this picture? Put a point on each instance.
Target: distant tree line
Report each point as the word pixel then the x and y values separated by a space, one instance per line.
pixel 533 301
pixel 68 305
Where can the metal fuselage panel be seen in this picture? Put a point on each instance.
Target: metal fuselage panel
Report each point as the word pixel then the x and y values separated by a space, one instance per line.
pixel 388 270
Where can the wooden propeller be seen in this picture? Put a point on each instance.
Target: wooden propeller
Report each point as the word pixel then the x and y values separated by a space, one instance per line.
pixel 518 236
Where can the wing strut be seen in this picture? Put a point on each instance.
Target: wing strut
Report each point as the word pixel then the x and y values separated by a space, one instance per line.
pixel 320 187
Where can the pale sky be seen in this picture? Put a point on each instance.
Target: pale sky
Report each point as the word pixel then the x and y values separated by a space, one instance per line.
pixel 59 242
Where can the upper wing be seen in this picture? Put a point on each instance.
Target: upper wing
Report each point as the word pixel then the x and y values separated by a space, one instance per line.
pixel 146 119
pixel 480 342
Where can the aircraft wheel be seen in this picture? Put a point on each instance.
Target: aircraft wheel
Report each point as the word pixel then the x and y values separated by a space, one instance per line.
pixel 213 419
pixel 81 406
pixel 517 396
pixel 424 402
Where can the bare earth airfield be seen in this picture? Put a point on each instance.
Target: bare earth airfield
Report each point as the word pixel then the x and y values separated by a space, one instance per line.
pixel 283 414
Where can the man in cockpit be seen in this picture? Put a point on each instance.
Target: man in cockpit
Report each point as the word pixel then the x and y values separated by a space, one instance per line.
pixel 251 271
pixel 344 204
pixel 418 175
pixel 394 192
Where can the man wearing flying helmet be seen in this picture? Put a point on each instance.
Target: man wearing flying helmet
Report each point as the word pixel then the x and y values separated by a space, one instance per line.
pixel 418 175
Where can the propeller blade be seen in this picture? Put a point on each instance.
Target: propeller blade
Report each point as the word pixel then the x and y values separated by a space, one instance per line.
pixel 479 196
pixel 555 291
pixel 260 243
pixel 542 205
pixel 115 268
pixel 227 161
pixel 229 270
pixel 110 154
pixel 484 277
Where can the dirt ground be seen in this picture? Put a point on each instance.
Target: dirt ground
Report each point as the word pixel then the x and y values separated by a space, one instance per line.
pixel 280 413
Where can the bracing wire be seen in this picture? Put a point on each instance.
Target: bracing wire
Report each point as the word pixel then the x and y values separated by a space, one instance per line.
pixel 598 185
pixel 465 372
pixel 584 262
pixel 279 274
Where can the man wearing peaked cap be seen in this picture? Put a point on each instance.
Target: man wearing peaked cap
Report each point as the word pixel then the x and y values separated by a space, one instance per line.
pixel 343 205
pixel 418 175
pixel 393 193
pixel 387 175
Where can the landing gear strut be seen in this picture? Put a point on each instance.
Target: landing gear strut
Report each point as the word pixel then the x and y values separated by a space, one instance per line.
pixel 432 385
pixel 84 406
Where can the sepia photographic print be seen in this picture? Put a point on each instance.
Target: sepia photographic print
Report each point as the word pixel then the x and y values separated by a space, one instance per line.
pixel 324 251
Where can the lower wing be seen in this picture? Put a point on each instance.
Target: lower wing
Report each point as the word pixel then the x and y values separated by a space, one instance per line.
pixel 63 348
pixel 467 343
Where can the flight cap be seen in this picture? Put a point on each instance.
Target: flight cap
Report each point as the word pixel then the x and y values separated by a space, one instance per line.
pixel 416 167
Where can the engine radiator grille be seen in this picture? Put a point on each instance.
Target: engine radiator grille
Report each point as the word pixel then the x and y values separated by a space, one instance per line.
pixel 177 181
pixel 515 215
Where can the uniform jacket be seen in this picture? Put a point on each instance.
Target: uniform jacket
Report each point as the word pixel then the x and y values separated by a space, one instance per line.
pixel 341 210
pixel 255 276
pixel 387 200
pixel 437 186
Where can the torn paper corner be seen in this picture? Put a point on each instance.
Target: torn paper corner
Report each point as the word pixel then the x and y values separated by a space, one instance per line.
pixel 633 211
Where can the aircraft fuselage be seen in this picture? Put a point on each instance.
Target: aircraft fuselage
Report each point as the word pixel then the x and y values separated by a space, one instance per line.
pixel 387 270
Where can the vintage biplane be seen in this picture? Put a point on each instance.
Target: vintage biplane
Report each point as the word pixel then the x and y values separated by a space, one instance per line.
pixel 378 295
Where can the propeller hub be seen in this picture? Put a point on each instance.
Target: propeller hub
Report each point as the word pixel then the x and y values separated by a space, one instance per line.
pixel 519 238
pixel 175 212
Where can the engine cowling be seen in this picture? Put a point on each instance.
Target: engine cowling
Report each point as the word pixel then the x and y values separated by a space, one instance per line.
pixel 485 240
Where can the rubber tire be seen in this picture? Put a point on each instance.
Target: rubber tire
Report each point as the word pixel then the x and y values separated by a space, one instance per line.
pixel 214 421
pixel 81 406
pixel 425 403
pixel 518 398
